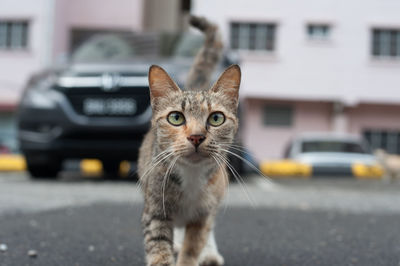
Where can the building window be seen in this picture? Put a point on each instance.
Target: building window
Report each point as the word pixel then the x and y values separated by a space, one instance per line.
pixel 386 42
pixel 253 36
pixel 388 140
pixel 318 31
pixel 13 34
pixel 278 115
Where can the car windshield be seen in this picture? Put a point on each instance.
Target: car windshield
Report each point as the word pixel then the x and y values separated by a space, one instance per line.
pixel 101 47
pixel 332 146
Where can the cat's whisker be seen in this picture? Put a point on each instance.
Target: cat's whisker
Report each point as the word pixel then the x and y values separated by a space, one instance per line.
pixel 151 166
pixel 220 165
pixel 170 145
pixel 235 147
pixel 238 178
pixel 235 144
pixel 160 157
pixel 163 156
pixel 166 176
pixel 155 164
pixel 138 184
pixel 181 152
pixel 226 178
pixel 241 148
pixel 232 145
pixel 248 163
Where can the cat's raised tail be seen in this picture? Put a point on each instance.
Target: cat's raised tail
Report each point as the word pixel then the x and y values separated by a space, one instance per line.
pixel 207 58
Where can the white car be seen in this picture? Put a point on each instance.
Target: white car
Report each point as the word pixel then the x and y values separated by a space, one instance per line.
pixel 334 154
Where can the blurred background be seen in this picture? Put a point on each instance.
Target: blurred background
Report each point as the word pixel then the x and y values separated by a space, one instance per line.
pixel 73 74
pixel 319 112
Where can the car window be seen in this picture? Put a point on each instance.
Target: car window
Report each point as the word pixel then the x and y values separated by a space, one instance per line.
pixel 332 146
pixel 102 47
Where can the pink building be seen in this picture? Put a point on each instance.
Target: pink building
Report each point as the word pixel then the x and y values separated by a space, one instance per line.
pixel 319 65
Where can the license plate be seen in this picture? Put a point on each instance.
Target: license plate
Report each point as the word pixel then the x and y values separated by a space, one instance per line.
pixel 111 106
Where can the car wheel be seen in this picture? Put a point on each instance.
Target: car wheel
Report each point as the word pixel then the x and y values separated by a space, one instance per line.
pixel 43 170
pixel 111 168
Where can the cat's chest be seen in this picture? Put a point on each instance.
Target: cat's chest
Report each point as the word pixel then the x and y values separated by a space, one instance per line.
pixel 191 206
pixel 195 197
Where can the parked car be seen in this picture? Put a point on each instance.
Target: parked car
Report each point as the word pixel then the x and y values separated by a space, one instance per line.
pixel 329 154
pixel 97 105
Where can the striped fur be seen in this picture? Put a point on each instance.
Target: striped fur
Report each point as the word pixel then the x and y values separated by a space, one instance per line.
pixel 208 56
pixel 183 184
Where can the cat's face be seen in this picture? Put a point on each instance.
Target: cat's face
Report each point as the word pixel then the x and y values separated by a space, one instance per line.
pixel 195 125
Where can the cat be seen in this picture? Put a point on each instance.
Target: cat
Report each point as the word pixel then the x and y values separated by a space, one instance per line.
pixel 390 163
pixel 182 160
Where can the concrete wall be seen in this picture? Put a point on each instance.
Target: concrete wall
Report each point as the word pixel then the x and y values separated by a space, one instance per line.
pixel 340 69
pixel 17 65
pixel 269 142
pixel 368 116
pixel 162 15
pixel 94 14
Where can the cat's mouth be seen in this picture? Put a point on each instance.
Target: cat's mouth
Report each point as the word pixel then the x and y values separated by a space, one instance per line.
pixel 196 156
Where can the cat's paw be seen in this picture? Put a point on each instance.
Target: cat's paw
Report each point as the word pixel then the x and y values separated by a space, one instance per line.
pixel 212 259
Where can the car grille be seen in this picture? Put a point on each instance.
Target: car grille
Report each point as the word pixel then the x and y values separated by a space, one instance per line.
pixel 77 97
pixel 332 171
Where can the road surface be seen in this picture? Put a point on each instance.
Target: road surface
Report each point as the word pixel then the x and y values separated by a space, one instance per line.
pixel 88 221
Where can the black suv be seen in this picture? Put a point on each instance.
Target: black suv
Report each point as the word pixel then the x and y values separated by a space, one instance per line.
pixel 98 105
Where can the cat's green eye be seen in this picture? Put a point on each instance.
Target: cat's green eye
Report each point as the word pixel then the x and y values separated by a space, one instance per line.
pixel 176 118
pixel 216 119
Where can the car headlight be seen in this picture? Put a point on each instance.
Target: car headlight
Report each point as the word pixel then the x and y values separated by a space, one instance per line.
pixel 40 95
pixel 39 99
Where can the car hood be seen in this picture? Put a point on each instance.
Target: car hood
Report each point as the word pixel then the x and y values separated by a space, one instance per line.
pixel 177 68
pixel 335 158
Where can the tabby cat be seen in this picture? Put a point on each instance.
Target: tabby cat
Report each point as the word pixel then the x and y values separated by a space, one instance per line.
pixel 182 161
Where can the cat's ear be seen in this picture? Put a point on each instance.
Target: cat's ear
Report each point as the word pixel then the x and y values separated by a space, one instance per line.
pixel 229 82
pixel 160 83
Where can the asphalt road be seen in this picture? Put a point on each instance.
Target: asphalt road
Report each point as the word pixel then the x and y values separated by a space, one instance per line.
pixel 82 221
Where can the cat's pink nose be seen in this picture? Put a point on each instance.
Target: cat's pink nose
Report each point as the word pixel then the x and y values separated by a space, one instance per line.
pixel 196 140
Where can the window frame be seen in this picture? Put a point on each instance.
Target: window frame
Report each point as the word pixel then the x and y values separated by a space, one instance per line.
pixel 270 25
pixel 382 34
pixel 13 28
pixel 291 119
pixel 319 24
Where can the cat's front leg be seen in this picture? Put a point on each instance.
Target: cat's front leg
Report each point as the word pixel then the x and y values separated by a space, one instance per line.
pixel 196 235
pixel 158 238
